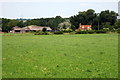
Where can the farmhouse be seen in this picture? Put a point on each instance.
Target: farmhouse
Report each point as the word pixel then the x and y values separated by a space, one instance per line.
pixel 85 27
pixel 34 28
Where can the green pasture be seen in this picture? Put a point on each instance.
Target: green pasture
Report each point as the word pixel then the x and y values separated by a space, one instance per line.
pixel 60 56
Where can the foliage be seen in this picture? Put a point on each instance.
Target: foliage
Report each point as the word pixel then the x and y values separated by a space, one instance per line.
pixel 85 17
pixel 67 30
pixel 58 32
pixel 5 27
pixel 64 25
pixel 118 31
pixel 96 19
pixel 91 32
pixel 108 16
pixel 56 21
pixel 113 30
pixel 81 32
pixel 21 24
pixel 73 27
pixel 117 25
pixel 107 25
pixel 102 31
pixel 41 33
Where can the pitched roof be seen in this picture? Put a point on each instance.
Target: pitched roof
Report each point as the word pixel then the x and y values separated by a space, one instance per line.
pixel 17 28
pixel 32 27
pixel 84 27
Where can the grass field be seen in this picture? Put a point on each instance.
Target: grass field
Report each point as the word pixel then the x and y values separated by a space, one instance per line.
pixel 60 56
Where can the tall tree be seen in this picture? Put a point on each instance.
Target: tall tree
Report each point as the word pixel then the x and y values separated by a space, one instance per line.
pixel 85 17
pixel 108 16
pixel 5 27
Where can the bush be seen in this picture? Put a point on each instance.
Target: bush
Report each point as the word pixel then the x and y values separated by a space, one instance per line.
pixel 114 30
pixel 41 33
pixel 102 31
pixel 67 31
pixel 91 32
pixel 81 32
pixel 118 31
pixel 58 32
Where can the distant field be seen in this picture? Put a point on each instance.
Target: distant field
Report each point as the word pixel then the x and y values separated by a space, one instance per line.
pixel 60 56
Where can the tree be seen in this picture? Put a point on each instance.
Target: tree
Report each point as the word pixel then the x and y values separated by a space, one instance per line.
pixel 13 23
pixel 73 27
pixel 90 15
pixel 117 25
pixel 85 17
pixel 97 19
pixel 64 25
pixel 108 16
pixel 107 25
pixel 5 27
pixel 56 21
pixel 20 24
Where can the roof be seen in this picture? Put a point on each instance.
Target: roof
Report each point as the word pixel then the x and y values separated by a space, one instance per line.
pixel 17 28
pixel 85 26
pixel 32 27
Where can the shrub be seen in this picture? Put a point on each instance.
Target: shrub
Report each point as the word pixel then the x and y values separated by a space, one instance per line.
pixel 81 32
pixel 114 30
pixel 67 31
pixel 73 27
pixel 91 32
pixel 118 31
pixel 41 33
pixel 102 31
pixel 58 32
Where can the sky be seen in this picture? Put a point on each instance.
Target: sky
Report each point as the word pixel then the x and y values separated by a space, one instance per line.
pixel 30 9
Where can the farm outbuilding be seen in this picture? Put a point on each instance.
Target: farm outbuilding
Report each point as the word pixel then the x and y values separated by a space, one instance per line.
pixel 17 29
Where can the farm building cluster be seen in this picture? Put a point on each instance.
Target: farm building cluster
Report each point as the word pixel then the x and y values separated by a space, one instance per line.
pixel 34 28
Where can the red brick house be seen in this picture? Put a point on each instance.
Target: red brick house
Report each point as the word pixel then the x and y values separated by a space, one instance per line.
pixel 85 27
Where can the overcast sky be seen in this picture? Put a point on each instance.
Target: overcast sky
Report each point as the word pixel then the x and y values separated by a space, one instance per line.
pixel 52 8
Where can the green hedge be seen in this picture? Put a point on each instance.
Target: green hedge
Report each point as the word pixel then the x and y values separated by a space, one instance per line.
pixel 41 33
pixel 118 31
pixel 101 31
pixel 91 32
pixel 67 31
pixel 58 32
pixel 85 32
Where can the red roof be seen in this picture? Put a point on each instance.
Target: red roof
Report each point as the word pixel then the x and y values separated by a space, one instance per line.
pixel 85 27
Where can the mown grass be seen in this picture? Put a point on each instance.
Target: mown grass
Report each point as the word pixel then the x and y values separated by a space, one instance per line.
pixel 60 56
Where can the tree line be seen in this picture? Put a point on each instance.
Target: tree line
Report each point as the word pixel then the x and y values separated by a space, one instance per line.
pixel 104 19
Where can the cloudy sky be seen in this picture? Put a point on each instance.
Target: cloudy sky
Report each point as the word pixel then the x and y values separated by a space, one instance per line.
pixel 51 8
